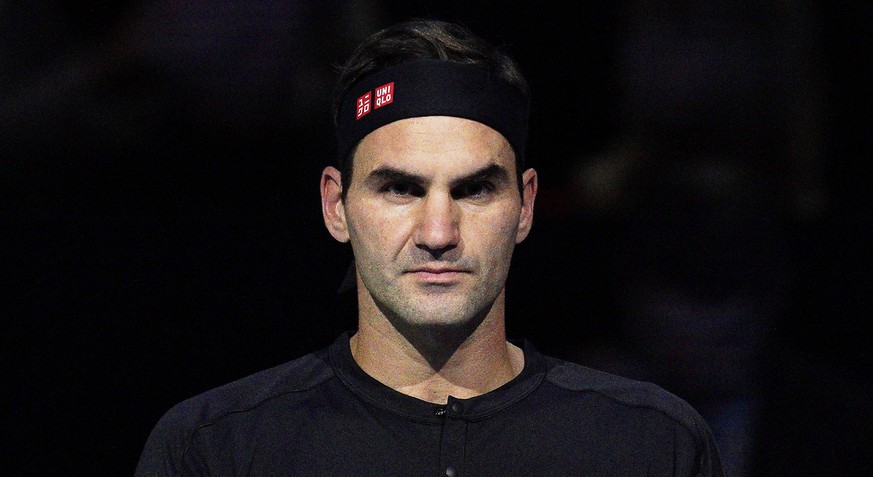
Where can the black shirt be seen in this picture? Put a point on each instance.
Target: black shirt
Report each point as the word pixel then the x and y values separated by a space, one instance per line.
pixel 322 415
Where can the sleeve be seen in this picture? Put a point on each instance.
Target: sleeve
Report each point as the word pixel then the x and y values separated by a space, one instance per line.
pixel 708 461
pixel 164 447
pixel 686 447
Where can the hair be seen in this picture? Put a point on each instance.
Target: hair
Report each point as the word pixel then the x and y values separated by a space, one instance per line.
pixel 423 39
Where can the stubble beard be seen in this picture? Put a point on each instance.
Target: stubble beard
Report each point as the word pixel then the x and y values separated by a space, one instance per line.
pixel 438 321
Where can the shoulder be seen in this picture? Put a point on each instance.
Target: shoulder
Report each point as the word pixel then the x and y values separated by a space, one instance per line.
pixel 643 414
pixel 250 398
pixel 250 392
pixel 626 394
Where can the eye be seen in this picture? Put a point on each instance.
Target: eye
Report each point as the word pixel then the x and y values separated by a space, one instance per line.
pixel 401 189
pixel 474 190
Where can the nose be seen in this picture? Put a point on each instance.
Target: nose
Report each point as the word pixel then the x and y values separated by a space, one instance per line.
pixel 437 230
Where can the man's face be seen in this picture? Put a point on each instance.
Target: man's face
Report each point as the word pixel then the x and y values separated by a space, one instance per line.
pixel 433 214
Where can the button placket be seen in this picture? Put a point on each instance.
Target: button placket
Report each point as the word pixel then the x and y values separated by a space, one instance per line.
pixel 453 439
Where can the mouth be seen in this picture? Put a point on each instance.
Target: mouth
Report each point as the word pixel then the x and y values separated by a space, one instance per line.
pixel 437 275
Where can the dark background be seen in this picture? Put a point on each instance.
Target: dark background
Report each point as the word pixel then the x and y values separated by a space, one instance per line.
pixel 160 230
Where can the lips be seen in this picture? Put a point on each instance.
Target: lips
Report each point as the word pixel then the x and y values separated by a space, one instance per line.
pixel 437 275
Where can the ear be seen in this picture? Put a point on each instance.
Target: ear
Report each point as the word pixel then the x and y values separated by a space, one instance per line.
pixel 528 195
pixel 332 207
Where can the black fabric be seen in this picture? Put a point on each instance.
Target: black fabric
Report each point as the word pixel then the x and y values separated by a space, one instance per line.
pixel 431 87
pixel 322 415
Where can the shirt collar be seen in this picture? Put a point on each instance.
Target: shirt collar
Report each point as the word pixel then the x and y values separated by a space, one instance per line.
pixel 379 395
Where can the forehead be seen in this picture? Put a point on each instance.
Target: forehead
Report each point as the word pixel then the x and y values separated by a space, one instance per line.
pixel 433 146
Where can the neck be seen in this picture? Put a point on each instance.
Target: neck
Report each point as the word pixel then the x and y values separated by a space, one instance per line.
pixel 431 363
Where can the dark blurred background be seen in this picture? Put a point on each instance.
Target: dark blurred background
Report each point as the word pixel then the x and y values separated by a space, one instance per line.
pixel 703 220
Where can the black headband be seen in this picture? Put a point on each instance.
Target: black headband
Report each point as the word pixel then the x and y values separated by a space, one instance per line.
pixel 431 87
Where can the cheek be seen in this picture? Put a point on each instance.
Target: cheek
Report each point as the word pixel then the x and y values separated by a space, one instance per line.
pixel 493 234
pixel 375 232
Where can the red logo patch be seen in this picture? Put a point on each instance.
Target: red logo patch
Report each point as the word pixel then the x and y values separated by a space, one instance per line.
pixel 363 105
pixel 384 95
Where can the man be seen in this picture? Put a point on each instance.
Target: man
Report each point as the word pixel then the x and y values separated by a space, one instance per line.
pixel 433 196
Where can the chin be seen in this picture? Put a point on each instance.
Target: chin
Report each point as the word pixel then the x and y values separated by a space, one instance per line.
pixel 439 316
pixel 448 312
pixel 418 308
pixel 439 307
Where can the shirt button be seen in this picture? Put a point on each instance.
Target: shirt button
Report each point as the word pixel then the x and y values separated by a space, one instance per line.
pixel 450 471
pixel 456 407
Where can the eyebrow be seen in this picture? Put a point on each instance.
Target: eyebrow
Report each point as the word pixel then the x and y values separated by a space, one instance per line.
pixel 391 174
pixel 494 172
